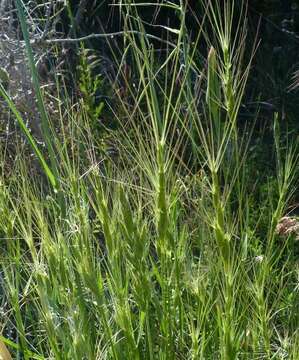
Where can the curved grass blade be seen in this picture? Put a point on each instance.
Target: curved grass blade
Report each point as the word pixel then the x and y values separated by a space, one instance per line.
pixel 29 137
pixel 35 81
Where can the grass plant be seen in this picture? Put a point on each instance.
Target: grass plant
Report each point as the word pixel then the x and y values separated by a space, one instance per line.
pixel 159 252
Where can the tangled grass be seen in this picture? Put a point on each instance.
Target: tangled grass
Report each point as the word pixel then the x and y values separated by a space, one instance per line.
pixel 155 250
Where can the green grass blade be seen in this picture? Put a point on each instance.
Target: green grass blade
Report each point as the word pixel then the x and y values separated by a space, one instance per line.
pixel 37 88
pixel 29 137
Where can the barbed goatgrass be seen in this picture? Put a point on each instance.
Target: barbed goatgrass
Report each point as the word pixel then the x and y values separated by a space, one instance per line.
pixel 151 258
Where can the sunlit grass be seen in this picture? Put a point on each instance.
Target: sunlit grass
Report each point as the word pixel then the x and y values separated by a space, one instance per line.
pixel 158 252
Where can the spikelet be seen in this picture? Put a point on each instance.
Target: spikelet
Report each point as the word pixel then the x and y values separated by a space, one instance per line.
pixel 213 94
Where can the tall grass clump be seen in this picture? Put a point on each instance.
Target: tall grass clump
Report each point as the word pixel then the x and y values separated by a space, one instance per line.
pixel 160 250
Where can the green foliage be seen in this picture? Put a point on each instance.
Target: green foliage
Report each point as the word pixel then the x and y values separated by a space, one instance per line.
pixel 150 260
